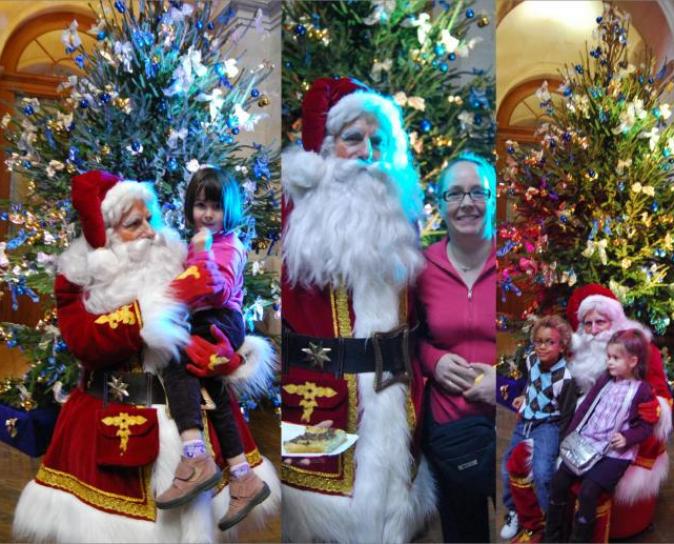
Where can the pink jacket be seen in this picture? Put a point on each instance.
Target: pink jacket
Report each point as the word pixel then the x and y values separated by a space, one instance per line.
pixel 230 256
pixel 457 320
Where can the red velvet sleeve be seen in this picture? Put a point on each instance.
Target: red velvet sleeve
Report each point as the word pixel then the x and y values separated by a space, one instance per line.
pixel 97 340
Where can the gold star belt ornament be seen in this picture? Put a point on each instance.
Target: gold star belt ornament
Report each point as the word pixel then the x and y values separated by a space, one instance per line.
pixel 317 355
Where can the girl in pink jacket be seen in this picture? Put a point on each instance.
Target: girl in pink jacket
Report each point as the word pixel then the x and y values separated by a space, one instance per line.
pixel 213 208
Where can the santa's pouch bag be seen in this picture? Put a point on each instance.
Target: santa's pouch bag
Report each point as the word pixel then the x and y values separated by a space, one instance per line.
pixel 126 436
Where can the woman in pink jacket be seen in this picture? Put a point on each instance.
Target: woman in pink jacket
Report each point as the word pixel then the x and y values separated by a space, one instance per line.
pixel 456 297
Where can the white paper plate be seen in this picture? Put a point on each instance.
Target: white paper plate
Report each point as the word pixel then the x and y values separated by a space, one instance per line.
pixel 291 430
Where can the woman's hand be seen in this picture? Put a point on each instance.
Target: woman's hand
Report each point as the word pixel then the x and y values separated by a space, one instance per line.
pixel 454 373
pixel 484 385
pixel 618 441
pixel 517 402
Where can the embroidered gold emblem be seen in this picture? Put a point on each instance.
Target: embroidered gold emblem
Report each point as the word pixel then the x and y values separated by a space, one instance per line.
pixel 124 315
pixel 317 355
pixel 123 421
pixel 216 361
pixel 309 392
pixel 191 271
pixel 118 388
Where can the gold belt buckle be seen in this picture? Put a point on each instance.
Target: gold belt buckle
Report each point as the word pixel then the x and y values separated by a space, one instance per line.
pixel 405 377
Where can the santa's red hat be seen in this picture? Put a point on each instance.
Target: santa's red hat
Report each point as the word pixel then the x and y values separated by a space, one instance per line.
pixel 318 100
pixel 579 295
pixel 101 198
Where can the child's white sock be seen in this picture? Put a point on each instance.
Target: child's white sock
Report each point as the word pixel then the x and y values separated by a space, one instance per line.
pixel 194 448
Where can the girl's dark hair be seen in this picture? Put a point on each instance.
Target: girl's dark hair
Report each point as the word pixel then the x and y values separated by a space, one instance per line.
pixel 217 186
pixel 635 343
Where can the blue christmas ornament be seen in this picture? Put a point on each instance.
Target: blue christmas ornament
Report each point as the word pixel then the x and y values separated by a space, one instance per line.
pixel 477 119
pixel 651 80
pixel 226 138
pixel 439 49
pixel 666 152
pixel 104 98
pixel 119 6
pixel 79 60
pixel 599 19
pixel 254 93
pixel 566 136
pixel 425 125
pixel 579 69
pixel 219 69
pixel 199 25
pixel 470 13
pixel 172 164
pixel 210 26
pixel 655 206
pixel 28 110
pixel 452 56
pixel 136 145
pixel 510 149
pixel 73 153
pixel 235 131
pixel 27 164
pixel 564 219
pixel 101 35
pixel 443 67
pixel 300 30
pixel 84 104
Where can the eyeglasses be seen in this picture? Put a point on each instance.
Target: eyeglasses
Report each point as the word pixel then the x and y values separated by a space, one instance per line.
pixel 476 195
pixel 544 343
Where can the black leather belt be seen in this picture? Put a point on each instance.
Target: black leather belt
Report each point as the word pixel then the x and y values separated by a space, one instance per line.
pixel 140 388
pixel 382 352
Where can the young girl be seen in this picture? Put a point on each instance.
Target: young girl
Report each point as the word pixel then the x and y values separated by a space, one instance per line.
pixel 545 408
pixel 213 208
pixel 614 426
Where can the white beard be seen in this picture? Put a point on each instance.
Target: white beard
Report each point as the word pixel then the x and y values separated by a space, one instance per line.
pixel 117 275
pixel 350 229
pixel 589 357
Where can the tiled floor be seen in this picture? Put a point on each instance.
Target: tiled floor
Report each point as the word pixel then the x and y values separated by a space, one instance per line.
pixel 662 529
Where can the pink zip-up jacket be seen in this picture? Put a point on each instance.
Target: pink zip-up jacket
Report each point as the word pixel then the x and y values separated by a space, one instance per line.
pixel 457 320
pixel 230 257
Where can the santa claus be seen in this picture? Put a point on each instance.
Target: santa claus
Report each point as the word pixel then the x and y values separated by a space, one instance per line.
pixel 596 314
pixel 122 303
pixel 350 253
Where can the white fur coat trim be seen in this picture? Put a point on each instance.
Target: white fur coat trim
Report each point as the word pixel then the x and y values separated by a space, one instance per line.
pixel 640 483
pixel 254 377
pixel 45 514
pixel 663 427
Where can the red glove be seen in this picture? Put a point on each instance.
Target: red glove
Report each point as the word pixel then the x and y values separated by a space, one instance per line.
pixel 650 411
pixel 197 281
pixel 212 359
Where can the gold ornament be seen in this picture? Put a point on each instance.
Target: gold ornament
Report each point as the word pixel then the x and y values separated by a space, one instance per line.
pixel 264 101
pixel 70 168
pixel 305 85
pixel 483 21
pixel 105 150
pixel 28 404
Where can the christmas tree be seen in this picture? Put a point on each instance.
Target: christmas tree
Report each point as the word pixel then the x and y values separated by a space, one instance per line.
pixel 160 95
pixel 402 49
pixel 593 201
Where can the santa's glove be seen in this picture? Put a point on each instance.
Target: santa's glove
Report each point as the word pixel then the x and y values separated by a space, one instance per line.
pixel 650 411
pixel 208 359
pixel 197 281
